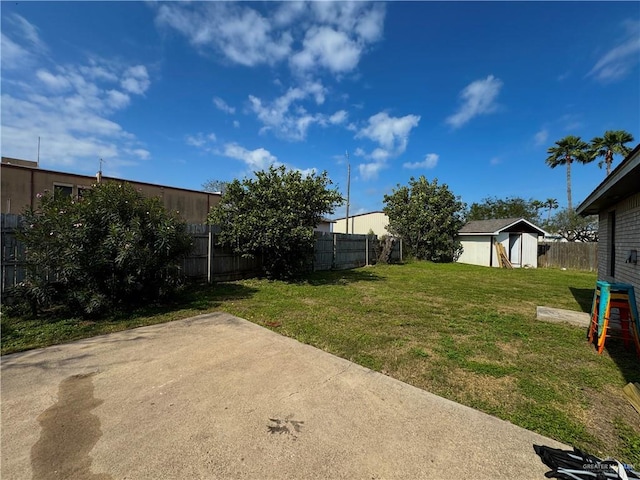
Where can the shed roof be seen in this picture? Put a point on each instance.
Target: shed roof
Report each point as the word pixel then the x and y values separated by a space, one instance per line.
pixel 622 182
pixel 497 225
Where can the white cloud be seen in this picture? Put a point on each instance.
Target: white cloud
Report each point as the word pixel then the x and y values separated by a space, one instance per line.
pixel 13 55
pixel 200 139
pixel 328 48
pixel 430 161
pixel 136 80
pixel 285 121
pixel 53 82
pixel 258 159
pixel 478 99
pixel 621 59
pixel 495 161
pixel 20 43
pixel 139 152
pixel 392 136
pixel 223 106
pixel 28 31
pixel 370 171
pixel 313 35
pixel 241 34
pixel 94 71
pixel 540 138
pixel 67 106
pixel 338 118
pixel 117 100
pixel 392 133
pixel 236 124
pixel 359 152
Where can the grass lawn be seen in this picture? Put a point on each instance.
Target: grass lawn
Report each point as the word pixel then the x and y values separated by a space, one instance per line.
pixel 463 332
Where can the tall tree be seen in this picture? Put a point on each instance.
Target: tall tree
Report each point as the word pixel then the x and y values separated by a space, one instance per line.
pixel 510 207
pixel 573 227
pixel 274 216
pixel 215 186
pixel 566 151
pixel 612 143
pixel 427 216
pixel 550 204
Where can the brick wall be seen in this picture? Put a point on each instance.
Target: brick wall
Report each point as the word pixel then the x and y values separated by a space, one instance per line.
pixel 627 238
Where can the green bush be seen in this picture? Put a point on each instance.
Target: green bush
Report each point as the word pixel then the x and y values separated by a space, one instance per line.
pixel 272 217
pixel 112 249
pixel 427 216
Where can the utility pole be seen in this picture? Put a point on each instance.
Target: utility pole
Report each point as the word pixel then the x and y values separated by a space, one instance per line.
pixel 99 175
pixel 348 188
pixel 38 157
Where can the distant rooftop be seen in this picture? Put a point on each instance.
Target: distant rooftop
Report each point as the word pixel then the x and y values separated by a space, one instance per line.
pixel 17 161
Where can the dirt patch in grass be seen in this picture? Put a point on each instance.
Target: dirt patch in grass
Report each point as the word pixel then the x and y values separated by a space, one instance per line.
pixel 473 389
pixel 510 349
pixel 602 415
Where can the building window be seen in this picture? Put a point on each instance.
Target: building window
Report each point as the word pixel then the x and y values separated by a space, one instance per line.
pixel 62 190
pixel 611 234
pixel 81 192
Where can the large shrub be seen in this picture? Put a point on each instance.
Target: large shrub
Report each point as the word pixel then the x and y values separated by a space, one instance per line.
pixel 111 249
pixel 427 216
pixel 273 217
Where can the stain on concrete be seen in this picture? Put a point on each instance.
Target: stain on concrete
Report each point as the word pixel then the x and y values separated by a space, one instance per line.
pixel 286 426
pixel 69 433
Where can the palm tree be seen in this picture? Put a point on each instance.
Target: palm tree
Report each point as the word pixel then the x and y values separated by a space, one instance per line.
pixel 566 151
pixel 613 142
pixel 550 204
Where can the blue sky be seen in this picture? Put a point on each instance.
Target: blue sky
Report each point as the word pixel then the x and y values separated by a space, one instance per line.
pixel 472 94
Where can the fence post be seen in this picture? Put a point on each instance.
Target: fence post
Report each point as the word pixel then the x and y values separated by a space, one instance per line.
pixel 366 250
pixel 209 254
pixel 333 255
pixel 401 250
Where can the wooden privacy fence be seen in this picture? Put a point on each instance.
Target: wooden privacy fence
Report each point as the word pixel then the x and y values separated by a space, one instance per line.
pixel 208 261
pixel 13 264
pixel 340 251
pixel 570 255
pixel 332 251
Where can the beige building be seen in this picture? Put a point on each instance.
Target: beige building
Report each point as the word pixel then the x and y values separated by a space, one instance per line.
pixel 22 180
pixel 363 223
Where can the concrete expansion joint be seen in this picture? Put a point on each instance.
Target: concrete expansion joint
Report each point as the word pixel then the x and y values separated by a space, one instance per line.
pixel 336 374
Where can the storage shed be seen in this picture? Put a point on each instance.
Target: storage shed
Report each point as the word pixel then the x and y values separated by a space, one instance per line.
pixel 518 236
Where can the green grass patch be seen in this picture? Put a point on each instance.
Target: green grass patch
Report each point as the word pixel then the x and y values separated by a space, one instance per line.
pixel 464 332
pixel 630 440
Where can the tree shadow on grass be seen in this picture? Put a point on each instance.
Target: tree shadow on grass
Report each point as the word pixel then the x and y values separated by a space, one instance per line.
pixel 584 297
pixel 206 296
pixel 341 277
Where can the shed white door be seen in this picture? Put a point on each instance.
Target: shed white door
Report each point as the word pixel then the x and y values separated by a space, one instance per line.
pixel 515 249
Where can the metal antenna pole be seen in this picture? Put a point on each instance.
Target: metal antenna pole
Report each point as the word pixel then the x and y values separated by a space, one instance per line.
pixel 348 188
pixel 38 157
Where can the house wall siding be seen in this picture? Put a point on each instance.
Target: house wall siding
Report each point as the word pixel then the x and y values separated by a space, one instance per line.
pixel 476 250
pixel 627 238
pixel 362 224
pixel 20 186
pixel 530 250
